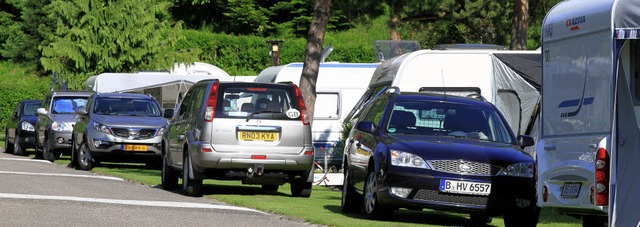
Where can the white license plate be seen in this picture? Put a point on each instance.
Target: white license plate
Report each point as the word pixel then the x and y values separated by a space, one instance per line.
pixel 465 187
pixel 570 190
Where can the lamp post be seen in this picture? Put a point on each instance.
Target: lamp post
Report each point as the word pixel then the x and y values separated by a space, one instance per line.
pixel 275 51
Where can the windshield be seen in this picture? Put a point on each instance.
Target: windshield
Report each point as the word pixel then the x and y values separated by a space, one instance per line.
pixel 127 107
pixel 447 119
pixel 67 105
pixel 30 109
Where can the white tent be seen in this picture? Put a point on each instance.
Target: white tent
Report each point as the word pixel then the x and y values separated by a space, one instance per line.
pixel 166 87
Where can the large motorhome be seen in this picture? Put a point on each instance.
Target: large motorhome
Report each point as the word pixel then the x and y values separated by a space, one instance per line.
pixel 589 144
pixel 508 79
pixel 338 88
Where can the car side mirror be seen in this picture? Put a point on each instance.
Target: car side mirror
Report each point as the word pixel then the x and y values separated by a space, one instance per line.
pixel 41 111
pixel 81 111
pixel 526 140
pixel 168 113
pixel 365 126
pixel 15 114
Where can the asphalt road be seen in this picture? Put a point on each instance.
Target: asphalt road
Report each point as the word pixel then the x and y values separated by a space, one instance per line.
pixel 38 193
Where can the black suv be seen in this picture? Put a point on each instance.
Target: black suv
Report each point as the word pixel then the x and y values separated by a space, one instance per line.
pixel 20 133
pixel 443 152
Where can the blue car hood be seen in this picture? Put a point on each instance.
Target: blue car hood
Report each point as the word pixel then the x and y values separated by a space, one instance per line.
pixel 130 121
pixel 30 119
pixel 449 147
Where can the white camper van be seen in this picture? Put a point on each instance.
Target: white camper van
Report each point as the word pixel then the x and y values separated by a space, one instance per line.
pixel 338 88
pixel 508 79
pixel 589 146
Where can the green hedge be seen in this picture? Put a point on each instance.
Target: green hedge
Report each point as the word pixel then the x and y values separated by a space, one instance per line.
pixel 249 55
pixel 18 83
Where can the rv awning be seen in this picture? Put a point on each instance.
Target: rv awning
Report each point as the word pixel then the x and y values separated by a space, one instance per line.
pixel 625 19
pixel 528 66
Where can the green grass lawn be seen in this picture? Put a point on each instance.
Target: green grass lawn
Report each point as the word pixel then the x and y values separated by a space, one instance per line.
pixel 323 207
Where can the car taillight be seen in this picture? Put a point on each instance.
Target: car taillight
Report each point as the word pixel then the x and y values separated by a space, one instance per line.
pixel 211 103
pixel 602 177
pixel 303 108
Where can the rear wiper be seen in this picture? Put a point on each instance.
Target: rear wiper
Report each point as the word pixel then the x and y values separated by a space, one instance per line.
pixel 260 112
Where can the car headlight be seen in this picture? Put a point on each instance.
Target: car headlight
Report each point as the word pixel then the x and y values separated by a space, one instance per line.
pixel 160 132
pixel 61 127
pixel 522 169
pixel 101 128
pixel 406 159
pixel 26 126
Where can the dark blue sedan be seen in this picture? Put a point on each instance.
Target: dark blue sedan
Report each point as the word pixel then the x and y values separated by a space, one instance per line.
pixel 451 153
pixel 20 134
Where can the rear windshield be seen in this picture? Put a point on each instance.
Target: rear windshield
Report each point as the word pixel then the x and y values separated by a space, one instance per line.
pixel 67 105
pixel 127 107
pixel 256 102
pixel 446 119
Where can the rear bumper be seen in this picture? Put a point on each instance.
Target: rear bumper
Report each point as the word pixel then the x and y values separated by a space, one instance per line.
pixel 215 164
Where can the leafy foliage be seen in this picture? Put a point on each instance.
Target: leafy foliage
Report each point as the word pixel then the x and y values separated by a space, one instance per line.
pixel 27 28
pixel 95 36
pixel 17 83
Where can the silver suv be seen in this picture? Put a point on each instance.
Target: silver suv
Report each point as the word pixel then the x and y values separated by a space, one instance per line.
pixel 253 132
pixel 118 127
pixel 55 122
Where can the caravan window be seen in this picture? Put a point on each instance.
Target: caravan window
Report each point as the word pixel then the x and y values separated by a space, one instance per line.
pixel 327 106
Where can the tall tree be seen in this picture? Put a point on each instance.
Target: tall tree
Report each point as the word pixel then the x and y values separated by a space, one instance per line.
pixel 95 36
pixel 25 37
pixel 520 25
pixel 311 64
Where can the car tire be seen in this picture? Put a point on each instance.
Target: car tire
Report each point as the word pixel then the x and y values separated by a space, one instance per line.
pixel 169 175
pixel 47 153
pixel 270 187
pixel 38 149
pixel 594 221
pixel 301 188
pixel 526 217
pixel 479 219
pixel 85 161
pixel 17 149
pixel 190 187
pixel 371 207
pixel 350 200
pixel 8 147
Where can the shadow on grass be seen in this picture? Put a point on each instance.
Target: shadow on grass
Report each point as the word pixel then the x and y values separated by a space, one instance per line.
pixel 426 217
pixel 211 188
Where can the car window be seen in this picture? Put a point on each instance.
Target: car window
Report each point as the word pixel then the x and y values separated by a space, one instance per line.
pixel 376 111
pixel 189 101
pixel 67 105
pixel 257 102
pixel 30 109
pixel 127 107
pixel 447 119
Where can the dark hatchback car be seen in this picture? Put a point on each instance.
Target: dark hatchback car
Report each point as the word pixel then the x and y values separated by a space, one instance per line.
pixel 20 134
pixel 418 150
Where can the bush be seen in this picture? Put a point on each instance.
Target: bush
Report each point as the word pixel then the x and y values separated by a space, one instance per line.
pixel 18 84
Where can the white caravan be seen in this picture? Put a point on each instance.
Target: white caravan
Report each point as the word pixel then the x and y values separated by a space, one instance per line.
pixel 589 145
pixel 338 88
pixel 166 87
pixel 508 79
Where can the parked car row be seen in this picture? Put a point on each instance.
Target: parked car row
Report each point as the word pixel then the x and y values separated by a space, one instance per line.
pixel 261 133
pixel 410 150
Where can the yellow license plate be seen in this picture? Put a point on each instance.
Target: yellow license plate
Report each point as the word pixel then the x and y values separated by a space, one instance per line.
pixel 257 136
pixel 130 147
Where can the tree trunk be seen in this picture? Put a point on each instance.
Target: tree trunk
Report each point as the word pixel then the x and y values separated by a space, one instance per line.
pixel 520 25
pixel 311 66
pixel 394 33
